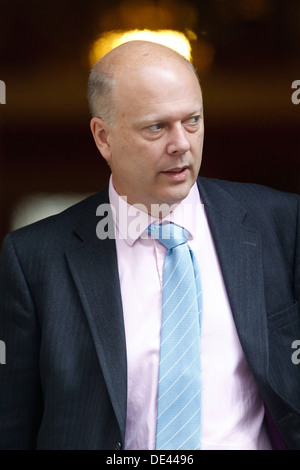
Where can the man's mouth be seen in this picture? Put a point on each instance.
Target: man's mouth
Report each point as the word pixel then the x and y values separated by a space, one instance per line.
pixel 176 170
pixel 177 173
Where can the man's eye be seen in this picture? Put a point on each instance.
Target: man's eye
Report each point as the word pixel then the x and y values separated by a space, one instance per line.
pixel 155 127
pixel 193 120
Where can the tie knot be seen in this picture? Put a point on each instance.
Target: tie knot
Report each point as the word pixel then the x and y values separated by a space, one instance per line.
pixel 169 234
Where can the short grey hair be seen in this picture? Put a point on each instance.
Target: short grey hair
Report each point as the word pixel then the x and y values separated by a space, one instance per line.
pixel 99 94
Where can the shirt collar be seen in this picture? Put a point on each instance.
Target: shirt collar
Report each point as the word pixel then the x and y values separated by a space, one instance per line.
pixel 132 222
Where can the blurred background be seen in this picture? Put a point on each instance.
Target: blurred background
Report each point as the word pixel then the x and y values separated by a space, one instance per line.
pixel 247 53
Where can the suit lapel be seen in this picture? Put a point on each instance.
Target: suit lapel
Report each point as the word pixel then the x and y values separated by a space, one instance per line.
pixel 239 250
pixel 95 273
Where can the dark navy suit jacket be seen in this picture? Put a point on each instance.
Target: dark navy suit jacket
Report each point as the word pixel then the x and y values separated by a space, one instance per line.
pixel 64 382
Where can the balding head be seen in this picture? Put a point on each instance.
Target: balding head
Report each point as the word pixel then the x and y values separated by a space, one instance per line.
pixel 148 122
pixel 122 64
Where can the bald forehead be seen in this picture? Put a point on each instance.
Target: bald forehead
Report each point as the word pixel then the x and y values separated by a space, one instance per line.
pixel 138 54
pixel 128 66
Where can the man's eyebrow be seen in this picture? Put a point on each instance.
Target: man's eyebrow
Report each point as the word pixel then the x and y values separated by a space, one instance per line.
pixel 161 119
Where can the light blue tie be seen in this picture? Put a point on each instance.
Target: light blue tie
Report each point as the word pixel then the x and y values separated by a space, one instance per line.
pixel 179 387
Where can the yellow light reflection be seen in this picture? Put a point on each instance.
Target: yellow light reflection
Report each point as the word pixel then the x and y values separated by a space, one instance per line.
pixel 170 38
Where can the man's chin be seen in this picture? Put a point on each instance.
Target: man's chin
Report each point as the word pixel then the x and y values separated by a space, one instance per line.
pixel 168 202
pixel 176 193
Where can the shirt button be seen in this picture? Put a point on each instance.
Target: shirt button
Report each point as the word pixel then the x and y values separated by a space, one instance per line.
pixel 118 445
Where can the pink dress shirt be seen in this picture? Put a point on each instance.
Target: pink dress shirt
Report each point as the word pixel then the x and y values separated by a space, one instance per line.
pixel 232 410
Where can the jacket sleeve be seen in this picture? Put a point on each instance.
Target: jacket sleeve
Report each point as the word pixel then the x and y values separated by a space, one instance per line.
pixel 20 391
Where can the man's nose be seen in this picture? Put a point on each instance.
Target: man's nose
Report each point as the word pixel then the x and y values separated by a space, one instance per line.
pixel 178 142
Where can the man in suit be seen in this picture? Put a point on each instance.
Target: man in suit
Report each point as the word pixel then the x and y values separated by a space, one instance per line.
pixel 80 292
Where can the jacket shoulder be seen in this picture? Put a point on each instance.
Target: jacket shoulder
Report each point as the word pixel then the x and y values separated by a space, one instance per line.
pixel 252 195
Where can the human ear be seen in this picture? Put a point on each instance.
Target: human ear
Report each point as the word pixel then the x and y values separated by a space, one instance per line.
pixel 100 131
